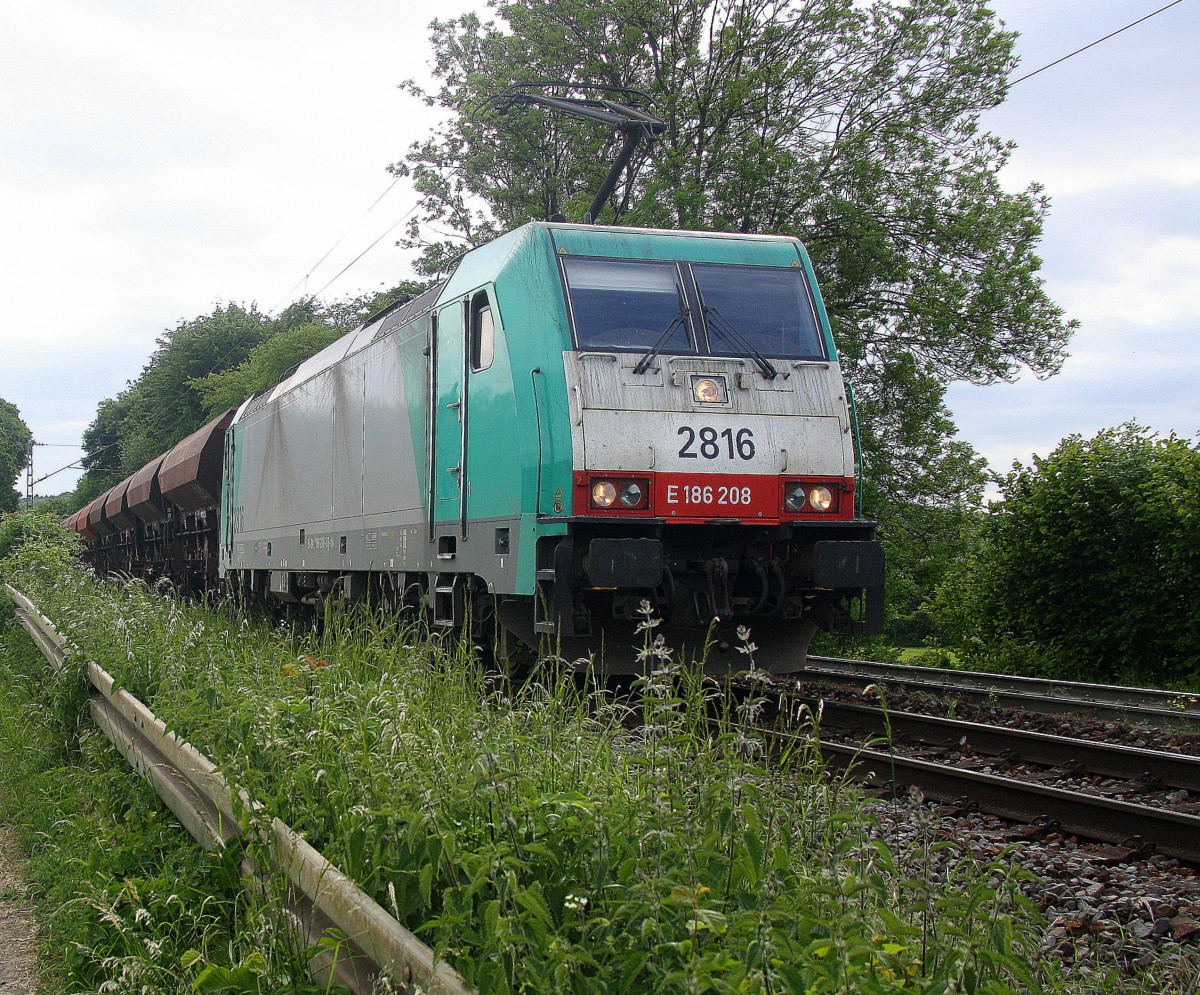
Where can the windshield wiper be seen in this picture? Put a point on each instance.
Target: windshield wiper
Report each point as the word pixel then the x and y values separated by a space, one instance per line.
pixel 665 337
pixel 732 334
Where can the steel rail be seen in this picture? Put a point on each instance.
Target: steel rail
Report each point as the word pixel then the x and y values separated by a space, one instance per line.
pixel 1175 770
pixel 1114 694
pixel 1083 814
pixel 320 900
pixel 1080 813
pixel 1164 708
pixel 1089 816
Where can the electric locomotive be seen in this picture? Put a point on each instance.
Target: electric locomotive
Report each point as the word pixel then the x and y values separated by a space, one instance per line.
pixel 580 428
pixel 581 424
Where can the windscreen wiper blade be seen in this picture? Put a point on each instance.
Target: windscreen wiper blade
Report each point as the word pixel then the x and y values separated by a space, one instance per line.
pixel 732 334
pixel 644 363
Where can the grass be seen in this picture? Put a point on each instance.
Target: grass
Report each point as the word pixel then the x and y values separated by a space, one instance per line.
pixel 534 835
pixel 123 892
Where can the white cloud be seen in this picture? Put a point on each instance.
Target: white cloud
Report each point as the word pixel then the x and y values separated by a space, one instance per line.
pixel 1145 282
pixel 1061 173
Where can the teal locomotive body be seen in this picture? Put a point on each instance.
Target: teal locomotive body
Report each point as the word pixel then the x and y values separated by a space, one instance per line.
pixel 580 424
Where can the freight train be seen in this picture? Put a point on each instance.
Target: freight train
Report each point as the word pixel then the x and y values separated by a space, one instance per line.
pixel 581 422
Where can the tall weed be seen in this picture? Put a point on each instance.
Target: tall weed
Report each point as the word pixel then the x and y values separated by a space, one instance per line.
pixel 542 836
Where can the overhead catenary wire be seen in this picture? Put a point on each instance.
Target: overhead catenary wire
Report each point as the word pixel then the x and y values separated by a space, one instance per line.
pixel 288 296
pixel 1093 44
pixel 344 269
pixel 391 229
pixel 396 179
pixel 328 252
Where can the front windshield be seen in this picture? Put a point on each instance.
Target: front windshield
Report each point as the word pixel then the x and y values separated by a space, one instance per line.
pixel 759 308
pixel 626 305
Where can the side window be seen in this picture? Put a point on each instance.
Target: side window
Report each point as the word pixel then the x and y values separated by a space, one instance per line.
pixel 483 333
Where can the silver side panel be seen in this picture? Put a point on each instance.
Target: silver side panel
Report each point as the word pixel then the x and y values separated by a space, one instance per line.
pixel 390 482
pixel 333 454
pixel 347 381
pixel 331 476
pixel 286 454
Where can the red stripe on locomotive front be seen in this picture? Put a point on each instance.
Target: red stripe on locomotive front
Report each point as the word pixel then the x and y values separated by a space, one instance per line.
pixel 705 497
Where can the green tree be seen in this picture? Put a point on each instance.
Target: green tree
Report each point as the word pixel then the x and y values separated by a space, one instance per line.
pixel 269 363
pixel 56 507
pixel 854 126
pixel 15 442
pixel 1090 565
pixel 163 404
pixel 103 445
pixel 351 312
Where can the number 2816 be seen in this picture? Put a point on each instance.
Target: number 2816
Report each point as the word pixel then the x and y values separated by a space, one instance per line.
pixel 708 443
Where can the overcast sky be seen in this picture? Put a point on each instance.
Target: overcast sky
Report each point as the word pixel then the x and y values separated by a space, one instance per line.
pixel 1113 134
pixel 158 157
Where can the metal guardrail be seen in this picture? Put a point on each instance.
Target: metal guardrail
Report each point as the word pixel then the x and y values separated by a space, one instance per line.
pixel 320 900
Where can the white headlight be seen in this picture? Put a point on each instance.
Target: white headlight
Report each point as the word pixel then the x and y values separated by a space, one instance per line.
pixel 603 493
pixel 820 498
pixel 709 390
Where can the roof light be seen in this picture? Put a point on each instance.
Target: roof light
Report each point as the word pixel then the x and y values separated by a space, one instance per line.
pixel 709 390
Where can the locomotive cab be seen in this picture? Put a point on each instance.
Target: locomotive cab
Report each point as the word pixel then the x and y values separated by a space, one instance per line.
pixel 713 467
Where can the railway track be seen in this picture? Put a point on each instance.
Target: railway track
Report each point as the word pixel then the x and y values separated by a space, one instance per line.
pixel 1168 709
pixel 1060 782
pixel 1176 834
pixel 1069 753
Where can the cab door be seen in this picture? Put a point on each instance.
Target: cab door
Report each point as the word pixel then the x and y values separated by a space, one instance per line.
pixel 449 418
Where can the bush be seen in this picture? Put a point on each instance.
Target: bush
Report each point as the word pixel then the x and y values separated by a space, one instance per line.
pixel 1090 566
pixel 34 537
